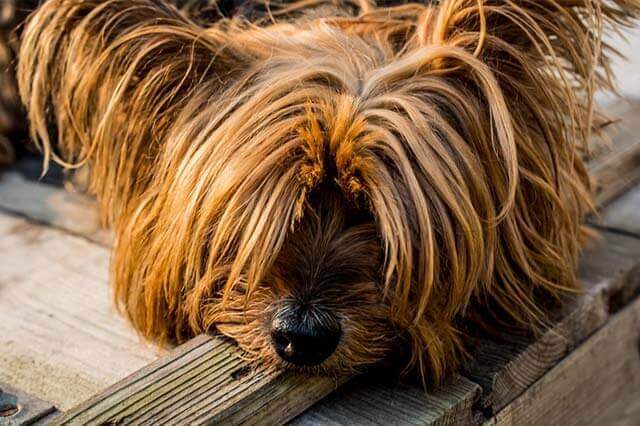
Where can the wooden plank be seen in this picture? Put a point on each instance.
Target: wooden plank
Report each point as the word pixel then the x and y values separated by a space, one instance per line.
pixel 60 337
pixel 50 204
pixel 19 408
pixel 365 401
pixel 615 169
pixel 203 381
pixel 597 384
pixel 624 216
pixel 609 270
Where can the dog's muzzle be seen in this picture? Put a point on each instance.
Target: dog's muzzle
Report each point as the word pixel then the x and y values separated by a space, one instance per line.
pixel 303 335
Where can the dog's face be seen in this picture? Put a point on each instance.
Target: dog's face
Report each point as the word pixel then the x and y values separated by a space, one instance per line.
pixel 301 205
pixel 326 191
pixel 320 306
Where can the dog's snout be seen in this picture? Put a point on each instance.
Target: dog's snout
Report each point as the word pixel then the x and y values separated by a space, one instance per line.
pixel 304 338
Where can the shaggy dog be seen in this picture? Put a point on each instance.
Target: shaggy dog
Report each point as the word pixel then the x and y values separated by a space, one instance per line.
pixel 327 182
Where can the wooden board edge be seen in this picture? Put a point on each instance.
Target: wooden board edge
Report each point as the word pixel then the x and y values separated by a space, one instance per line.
pixel 597 381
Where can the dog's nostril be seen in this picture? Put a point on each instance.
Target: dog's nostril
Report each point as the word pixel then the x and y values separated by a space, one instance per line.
pixel 304 343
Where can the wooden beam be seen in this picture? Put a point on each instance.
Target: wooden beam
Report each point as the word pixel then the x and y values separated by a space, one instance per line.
pixel 616 168
pixel 599 383
pixel 365 400
pixel 624 217
pixel 204 380
pixel 50 204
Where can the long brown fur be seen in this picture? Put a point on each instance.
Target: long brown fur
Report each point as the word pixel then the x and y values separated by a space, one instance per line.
pixel 406 168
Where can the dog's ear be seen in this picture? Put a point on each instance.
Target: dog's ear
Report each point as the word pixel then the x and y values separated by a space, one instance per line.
pixel 105 80
pixel 476 175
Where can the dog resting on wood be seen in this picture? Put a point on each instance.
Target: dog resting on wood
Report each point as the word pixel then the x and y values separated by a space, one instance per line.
pixel 330 183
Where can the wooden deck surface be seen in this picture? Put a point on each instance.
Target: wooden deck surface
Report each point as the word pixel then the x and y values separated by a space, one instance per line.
pixel 60 337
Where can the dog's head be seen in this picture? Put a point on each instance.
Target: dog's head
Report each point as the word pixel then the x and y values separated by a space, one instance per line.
pixel 327 191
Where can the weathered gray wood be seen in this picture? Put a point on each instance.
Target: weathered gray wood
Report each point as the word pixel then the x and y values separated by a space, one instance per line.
pixel 615 169
pixel 624 217
pixel 60 338
pixel 597 384
pixel 19 408
pixel 363 401
pixel 203 381
pixel 53 205
pixel 613 271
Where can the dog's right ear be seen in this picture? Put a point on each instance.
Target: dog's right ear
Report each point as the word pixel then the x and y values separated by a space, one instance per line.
pixel 103 80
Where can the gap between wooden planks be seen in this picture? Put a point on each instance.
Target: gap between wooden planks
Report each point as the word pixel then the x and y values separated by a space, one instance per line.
pixel 206 380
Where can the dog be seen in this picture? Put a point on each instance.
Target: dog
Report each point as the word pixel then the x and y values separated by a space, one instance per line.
pixel 329 183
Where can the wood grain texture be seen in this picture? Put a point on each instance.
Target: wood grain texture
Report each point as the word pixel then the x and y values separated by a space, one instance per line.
pixel 615 169
pixel 363 401
pixel 203 381
pixel 610 268
pixel 20 408
pixel 60 338
pixel 597 384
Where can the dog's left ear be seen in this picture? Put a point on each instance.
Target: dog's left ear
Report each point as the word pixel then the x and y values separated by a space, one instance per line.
pixel 110 77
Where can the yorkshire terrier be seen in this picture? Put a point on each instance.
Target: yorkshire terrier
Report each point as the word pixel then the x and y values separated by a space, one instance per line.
pixel 329 182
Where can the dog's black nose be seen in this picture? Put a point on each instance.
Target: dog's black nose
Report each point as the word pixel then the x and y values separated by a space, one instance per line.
pixel 304 338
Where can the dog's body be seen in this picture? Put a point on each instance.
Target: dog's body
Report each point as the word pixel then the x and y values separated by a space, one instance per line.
pixel 334 180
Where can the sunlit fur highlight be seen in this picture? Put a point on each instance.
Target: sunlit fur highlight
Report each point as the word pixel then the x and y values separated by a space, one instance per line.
pixel 457 129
